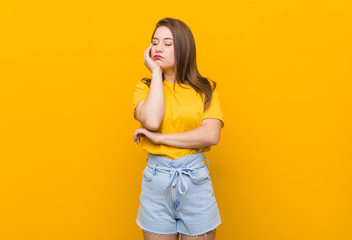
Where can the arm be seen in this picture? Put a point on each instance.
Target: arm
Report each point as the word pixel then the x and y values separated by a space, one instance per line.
pixel 150 112
pixel 206 135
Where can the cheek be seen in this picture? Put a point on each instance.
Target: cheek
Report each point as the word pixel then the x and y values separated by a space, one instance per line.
pixel 170 54
pixel 170 58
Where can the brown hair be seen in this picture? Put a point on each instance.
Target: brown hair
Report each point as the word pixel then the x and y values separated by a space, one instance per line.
pixel 185 59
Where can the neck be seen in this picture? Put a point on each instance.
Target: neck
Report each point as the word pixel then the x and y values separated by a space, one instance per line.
pixel 169 75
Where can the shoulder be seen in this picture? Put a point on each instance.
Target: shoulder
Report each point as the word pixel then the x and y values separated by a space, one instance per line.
pixel 142 83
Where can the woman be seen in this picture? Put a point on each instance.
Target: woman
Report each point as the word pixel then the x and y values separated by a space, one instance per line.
pixel 180 118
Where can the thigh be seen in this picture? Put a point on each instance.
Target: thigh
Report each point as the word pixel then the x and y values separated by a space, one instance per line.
pixel 197 211
pixel 155 210
pixel 206 236
pixel 156 236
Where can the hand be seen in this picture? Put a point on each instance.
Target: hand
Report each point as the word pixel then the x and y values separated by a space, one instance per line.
pixel 150 63
pixel 154 137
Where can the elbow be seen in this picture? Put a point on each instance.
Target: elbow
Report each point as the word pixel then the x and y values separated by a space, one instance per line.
pixel 152 125
pixel 149 119
pixel 215 138
pixel 214 142
pixel 151 122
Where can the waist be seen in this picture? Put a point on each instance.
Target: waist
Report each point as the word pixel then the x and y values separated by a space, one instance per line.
pixel 178 167
pixel 194 160
pixel 169 151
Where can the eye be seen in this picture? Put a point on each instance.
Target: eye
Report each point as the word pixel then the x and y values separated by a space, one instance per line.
pixel 169 44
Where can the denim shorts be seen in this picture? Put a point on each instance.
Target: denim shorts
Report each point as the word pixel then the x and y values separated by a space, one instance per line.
pixel 177 196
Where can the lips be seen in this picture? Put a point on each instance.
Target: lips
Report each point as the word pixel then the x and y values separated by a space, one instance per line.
pixel 157 57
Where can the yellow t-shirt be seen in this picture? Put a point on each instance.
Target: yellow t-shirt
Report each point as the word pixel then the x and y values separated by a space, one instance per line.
pixel 183 112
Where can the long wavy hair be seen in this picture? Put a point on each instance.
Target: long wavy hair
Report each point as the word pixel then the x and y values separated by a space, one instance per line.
pixel 185 60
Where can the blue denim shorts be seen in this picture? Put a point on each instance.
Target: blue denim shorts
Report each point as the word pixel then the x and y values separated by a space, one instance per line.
pixel 177 196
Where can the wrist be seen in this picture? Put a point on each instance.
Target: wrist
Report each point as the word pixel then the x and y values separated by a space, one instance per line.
pixel 157 72
pixel 160 138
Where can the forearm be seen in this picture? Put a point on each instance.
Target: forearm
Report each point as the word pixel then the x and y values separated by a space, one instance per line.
pixel 153 108
pixel 195 138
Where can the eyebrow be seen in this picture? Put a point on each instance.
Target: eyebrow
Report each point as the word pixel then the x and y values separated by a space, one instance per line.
pixel 164 38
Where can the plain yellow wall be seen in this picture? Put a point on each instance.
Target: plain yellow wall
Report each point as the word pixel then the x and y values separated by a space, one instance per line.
pixel 69 169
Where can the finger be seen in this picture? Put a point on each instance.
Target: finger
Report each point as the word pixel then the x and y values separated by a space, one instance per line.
pixel 150 51
pixel 138 137
pixel 135 135
pixel 147 51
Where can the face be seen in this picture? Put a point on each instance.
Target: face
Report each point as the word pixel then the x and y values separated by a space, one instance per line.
pixel 163 45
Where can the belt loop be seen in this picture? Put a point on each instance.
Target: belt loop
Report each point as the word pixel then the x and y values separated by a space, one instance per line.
pixel 207 161
pixel 154 169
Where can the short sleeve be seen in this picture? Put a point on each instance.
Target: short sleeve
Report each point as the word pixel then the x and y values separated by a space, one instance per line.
pixel 214 110
pixel 140 93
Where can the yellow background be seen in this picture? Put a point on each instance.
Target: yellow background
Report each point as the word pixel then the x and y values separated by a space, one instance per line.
pixel 69 168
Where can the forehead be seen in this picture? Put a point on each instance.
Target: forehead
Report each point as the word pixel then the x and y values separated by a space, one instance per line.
pixel 162 33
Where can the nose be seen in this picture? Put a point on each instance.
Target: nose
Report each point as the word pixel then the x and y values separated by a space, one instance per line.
pixel 159 47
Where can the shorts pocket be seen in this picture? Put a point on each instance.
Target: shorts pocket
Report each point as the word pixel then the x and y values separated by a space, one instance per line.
pixel 200 176
pixel 148 174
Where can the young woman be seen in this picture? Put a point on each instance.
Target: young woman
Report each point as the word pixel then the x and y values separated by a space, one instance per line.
pixel 180 116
